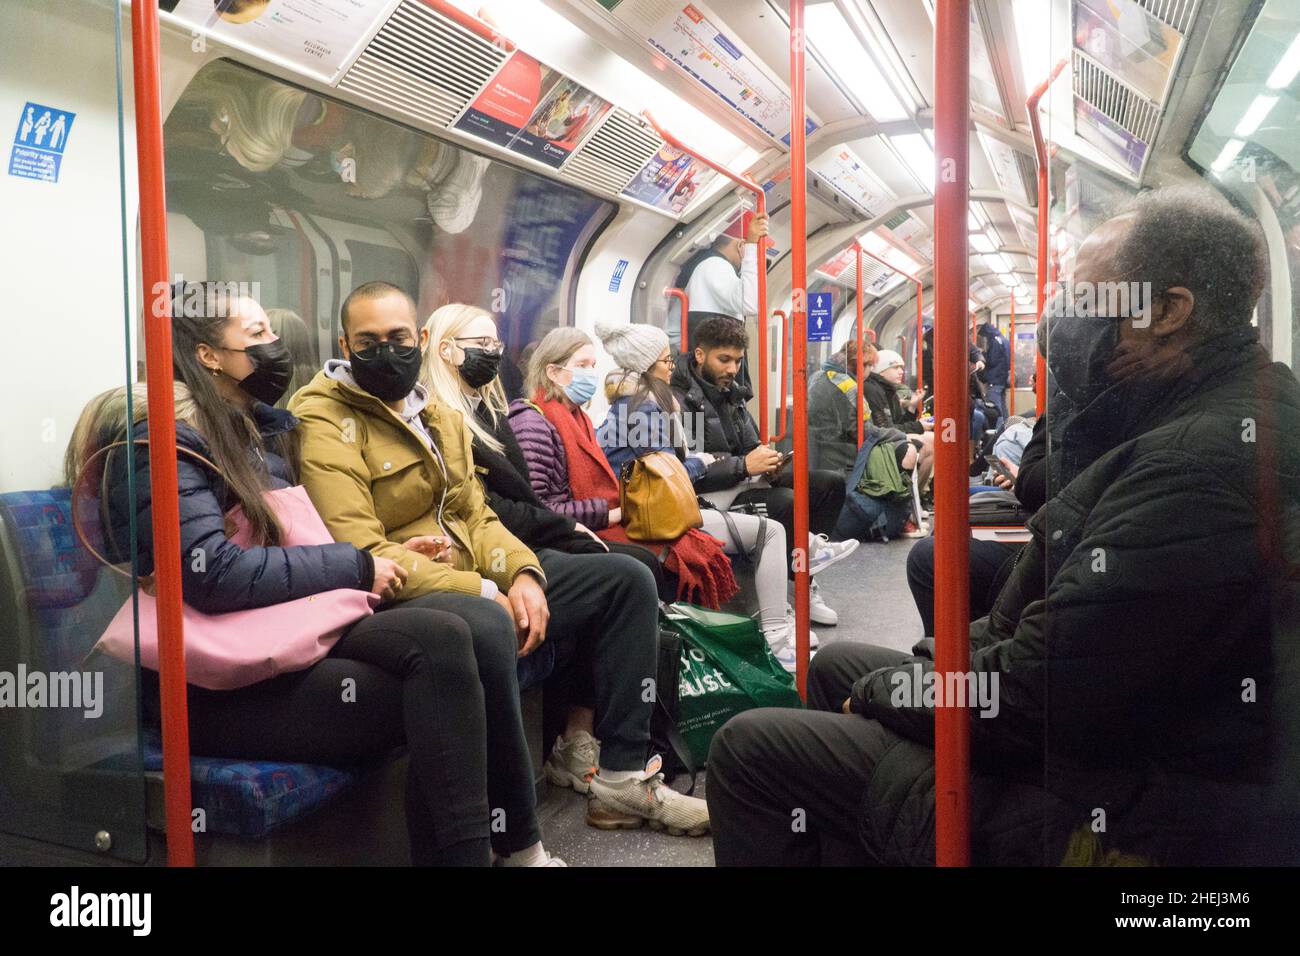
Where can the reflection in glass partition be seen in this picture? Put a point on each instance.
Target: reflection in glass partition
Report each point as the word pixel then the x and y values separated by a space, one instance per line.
pixel 305 199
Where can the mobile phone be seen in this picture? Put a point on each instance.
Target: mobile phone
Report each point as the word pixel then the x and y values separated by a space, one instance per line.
pixel 996 464
pixel 786 459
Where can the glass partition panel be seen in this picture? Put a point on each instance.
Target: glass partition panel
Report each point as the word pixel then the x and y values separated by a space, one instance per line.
pixel 71 767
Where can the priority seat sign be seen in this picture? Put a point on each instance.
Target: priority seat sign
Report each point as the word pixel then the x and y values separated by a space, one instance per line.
pixel 39 142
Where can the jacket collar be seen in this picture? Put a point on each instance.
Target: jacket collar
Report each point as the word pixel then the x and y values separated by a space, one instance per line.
pixel 272 421
pixel 688 380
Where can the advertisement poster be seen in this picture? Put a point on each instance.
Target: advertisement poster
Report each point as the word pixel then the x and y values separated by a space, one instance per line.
pixel 686 36
pixel 317 35
pixel 1095 127
pixel 1129 42
pixel 844 172
pixel 669 181
pixel 534 111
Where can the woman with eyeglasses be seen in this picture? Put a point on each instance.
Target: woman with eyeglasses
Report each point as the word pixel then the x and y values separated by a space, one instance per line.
pixel 603 604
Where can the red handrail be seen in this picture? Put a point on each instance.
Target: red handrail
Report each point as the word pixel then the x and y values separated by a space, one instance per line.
pixel 1011 339
pixel 760 207
pixel 785 348
pixel 952 427
pixel 162 432
pixel 861 425
pixel 1044 202
pixel 473 24
pixel 680 296
pixel 799 333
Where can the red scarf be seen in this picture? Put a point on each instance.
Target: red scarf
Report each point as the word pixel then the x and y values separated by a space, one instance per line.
pixel 703 571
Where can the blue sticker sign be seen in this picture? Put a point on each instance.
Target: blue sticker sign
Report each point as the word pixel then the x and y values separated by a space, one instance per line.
pixel 820 322
pixel 616 279
pixel 39 141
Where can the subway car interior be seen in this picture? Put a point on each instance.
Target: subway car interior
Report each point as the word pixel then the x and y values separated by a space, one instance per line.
pixel 924 211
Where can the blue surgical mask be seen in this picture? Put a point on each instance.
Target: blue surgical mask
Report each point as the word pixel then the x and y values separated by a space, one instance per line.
pixel 583 385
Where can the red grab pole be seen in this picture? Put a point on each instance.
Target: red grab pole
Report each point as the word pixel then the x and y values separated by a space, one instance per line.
pixel 799 329
pixel 680 296
pixel 861 425
pixel 760 207
pixel 1044 201
pixel 785 365
pixel 162 431
pixel 952 426
pixel 471 23
pixel 920 331
pixel 1011 394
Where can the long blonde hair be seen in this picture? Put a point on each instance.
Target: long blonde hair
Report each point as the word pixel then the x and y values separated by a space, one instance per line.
pixel 443 381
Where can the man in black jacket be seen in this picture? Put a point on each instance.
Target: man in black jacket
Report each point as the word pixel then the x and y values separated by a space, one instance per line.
pixel 1136 680
pixel 717 422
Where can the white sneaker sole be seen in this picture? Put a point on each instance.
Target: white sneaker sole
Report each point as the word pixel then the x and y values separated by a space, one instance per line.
pixel 620 819
pixel 832 561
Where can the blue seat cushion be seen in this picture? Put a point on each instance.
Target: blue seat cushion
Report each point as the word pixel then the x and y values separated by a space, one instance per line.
pixel 253 798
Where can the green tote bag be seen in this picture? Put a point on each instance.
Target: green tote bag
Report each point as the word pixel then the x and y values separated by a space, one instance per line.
pixel 726 668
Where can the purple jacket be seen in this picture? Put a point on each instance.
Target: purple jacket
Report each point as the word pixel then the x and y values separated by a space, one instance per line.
pixel 548 467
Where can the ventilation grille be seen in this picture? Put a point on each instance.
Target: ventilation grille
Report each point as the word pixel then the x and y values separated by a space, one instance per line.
pixel 614 154
pixel 423 64
pixel 871 271
pixel 1118 101
pixel 1174 13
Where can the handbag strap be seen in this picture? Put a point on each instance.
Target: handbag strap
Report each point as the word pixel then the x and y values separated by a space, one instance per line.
pixel 751 557
pixel 145 581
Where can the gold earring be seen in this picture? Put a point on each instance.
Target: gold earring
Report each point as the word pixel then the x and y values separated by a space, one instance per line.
pixel 216 373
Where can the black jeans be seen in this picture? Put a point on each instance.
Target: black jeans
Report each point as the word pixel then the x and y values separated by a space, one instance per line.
pixel 990 565
pixel 436 673
pixel 786 787
pixel 604 620
pixel 825 499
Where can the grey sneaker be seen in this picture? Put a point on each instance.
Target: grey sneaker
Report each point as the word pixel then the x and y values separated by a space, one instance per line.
pixel 646 799
pixel 573 763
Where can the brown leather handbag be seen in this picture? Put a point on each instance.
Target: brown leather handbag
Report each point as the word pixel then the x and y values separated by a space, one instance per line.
pixel 657 498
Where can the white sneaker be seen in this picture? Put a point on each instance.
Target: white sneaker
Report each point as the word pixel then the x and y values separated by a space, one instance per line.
pixel 646 799
pixel 819 610
pixel 782 645
pixel 826 552
pixel 813 642
pixel 572 763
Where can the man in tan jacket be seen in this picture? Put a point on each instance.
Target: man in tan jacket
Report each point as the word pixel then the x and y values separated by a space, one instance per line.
pixel 393 473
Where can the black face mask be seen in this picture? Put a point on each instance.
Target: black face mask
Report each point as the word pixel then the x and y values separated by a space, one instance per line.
pixel 1078 350
pixel 479 367
pixel 272 370
pixel 387 371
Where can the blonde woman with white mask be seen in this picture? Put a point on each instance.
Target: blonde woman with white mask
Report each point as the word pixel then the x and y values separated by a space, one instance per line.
pixel 603 602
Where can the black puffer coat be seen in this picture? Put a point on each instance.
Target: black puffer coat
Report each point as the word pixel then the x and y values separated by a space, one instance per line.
pixel 1146 645
pixel 728 430
pixel 229 578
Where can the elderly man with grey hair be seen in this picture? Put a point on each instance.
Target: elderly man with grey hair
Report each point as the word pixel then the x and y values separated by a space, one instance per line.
pixel 1133 693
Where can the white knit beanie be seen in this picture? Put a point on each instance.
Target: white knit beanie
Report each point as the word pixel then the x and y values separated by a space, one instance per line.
pixel 634 347
pixel 887 357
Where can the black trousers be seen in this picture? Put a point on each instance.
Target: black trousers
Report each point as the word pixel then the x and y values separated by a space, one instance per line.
pixel 605 623
pixel 786 787
pixel 825 499
pixel 990 565
pixel 436 673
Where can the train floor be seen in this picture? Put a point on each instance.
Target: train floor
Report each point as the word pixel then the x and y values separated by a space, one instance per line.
pixel 869 590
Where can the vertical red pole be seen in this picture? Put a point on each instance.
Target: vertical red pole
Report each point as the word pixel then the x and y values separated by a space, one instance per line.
pixel 952 425
pixel 785 364
pixel 761 209
pixel 1044 202
pixel 162 431
pixel 1011 339
pixel 920 330
pixel 799 321
pixel 680 296
pixel 861 425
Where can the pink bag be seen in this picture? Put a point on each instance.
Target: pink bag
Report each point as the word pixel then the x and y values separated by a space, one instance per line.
pixel 225 651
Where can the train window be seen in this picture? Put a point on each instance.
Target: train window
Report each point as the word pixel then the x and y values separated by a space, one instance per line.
pixel 309 198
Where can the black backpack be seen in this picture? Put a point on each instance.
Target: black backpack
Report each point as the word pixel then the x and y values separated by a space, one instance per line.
pixel 664 738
